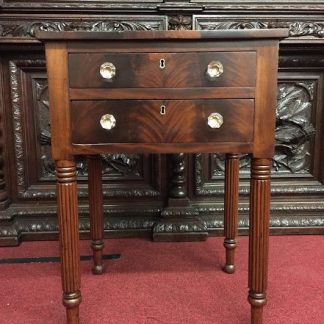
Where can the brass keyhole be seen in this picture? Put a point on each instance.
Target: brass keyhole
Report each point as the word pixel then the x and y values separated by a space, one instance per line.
pixel 162 110
pixel 162 64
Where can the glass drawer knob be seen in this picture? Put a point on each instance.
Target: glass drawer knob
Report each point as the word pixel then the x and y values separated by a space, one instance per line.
pixel 108 121
pixel 107 70
pixel 215 120
pixel 214 70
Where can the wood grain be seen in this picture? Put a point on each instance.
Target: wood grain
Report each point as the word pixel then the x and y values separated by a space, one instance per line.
pixel 96 210
pixel 265 100
pixel 163 93
pixel 220 147
pixel 182 70
pixel 140 121
pixel 259 236
pixel 57 69
pixel 165 35
pixel 232 167
pixel 69 237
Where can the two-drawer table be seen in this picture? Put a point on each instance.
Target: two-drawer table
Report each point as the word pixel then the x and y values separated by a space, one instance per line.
pixel 162 92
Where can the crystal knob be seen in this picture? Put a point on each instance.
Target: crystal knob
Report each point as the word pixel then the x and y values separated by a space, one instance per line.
pixel 107 70
pixel 214 69
pixel 215 120
pixel 108 121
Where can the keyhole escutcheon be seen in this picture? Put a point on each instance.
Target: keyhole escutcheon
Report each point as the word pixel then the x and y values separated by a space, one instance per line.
pixel 162 110
pixel 162 63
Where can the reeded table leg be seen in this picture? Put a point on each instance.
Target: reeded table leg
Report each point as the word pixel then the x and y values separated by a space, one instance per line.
pixel 231 209
pixel 96 211
pixel 259 236
pixel 69 237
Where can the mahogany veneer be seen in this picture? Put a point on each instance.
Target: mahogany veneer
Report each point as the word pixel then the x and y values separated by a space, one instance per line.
pixel 140 121
pixel 182 70
pixel 161 99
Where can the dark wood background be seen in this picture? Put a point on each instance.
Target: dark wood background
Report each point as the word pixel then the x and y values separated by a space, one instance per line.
pixel 138 188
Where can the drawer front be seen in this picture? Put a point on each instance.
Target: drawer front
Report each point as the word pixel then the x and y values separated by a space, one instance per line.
pixel 162 70
pixel 162 121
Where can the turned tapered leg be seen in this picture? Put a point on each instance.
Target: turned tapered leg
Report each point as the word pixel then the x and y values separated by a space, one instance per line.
pixel 69 237
pixel 96 211
pixel 231 209
pixel 259 236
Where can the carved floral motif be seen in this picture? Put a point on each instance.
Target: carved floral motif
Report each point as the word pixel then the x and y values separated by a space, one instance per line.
pixel 223 25
pixel 180 22
pixel 294 129
pixel 294 133
pixel 28 29
pixel 296 28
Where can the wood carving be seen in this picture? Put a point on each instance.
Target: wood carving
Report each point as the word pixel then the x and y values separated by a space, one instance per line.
pixel 115 166
pixel 179 218
pixel 295 155
pixel 4 199
pixel 294 132
pixel 180 22
pixel 178 179
pixel 28 29
pixel 296 28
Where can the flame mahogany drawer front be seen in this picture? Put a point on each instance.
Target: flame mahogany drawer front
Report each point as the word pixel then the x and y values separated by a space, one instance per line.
pixel 165 70
pixel 162 121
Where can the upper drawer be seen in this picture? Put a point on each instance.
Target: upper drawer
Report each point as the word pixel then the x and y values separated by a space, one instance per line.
pixel 162 70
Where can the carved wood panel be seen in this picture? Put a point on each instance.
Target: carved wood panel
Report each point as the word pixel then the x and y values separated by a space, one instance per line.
pixel 298 27
pixel 134 179
pixel 136 187
pixel 296 175
pixel 18 26
pixel 34 166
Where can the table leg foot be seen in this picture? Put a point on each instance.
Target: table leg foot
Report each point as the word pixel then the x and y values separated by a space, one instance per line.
pixel 230 245
pixel 97 248
pixel 257 302
pixel 72 301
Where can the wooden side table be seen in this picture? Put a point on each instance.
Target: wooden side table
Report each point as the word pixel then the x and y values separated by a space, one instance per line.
pixel 162 92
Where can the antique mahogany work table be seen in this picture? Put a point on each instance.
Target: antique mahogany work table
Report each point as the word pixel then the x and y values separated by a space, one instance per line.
pixel 163 92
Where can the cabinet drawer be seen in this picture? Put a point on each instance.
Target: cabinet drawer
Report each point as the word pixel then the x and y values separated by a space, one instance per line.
pixel 162 121
pixel 162 70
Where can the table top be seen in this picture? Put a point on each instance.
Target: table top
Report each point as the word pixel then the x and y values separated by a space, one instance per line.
pixel 275 33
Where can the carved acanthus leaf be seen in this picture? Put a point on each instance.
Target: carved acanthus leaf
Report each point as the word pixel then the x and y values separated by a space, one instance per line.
pixel 296 28
pixel 294 132
pixel 29 29
pixel 223 25
pixel 121 163
pixel 294 128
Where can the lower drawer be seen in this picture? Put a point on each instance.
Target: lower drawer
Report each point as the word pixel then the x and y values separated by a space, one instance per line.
pixel 162 121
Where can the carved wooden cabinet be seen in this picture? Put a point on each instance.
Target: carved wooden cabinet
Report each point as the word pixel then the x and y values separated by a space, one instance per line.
pixel 159 184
